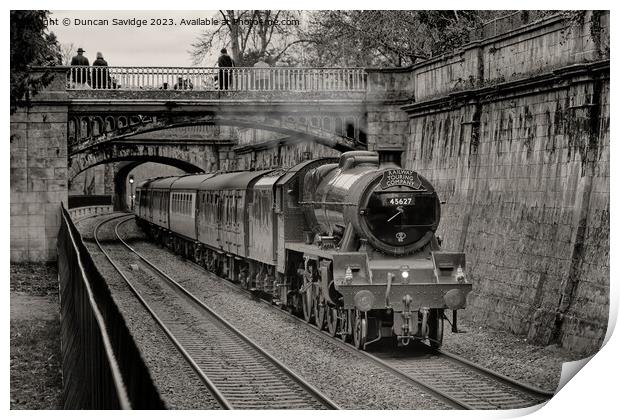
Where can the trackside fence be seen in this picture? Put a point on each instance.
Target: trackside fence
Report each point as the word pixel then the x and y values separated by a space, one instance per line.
pixel 102 366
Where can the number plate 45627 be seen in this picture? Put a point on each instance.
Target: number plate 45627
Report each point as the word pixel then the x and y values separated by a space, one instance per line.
pixel 397 200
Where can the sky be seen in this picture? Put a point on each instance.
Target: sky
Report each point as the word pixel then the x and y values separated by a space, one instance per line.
pixel 157 45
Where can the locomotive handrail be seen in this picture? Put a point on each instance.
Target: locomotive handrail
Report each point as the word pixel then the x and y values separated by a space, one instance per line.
pixel 267 79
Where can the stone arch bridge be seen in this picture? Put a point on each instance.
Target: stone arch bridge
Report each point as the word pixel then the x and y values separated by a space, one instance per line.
pixel 83 118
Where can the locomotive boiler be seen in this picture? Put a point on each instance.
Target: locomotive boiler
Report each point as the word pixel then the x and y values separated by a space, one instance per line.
pixel 347 243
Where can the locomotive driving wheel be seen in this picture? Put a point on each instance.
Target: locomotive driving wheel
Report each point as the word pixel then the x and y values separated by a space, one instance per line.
pixel 360 329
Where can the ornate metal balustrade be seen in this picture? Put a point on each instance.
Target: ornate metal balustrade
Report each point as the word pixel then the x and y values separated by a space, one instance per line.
pixel 290 79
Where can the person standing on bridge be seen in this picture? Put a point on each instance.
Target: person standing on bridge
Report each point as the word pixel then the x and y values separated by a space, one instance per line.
pixel 261 77
pixel 80 76
pixel 102 78
pixel 224 61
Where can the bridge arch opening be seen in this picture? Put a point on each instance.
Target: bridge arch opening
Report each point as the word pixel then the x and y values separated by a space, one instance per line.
pixel 124 189
pixel 111 176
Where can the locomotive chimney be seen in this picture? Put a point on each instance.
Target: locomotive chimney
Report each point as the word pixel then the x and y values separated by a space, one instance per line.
pixel 390 158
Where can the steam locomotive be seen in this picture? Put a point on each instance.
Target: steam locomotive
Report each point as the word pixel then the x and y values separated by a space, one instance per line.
pixel 347 243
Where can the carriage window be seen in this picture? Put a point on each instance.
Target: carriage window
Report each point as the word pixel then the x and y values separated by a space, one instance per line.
pixel 227 208
pixel 237 209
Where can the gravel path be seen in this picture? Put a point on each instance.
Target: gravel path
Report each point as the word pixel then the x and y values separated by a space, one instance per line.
pixel 349 380
pixel 177 384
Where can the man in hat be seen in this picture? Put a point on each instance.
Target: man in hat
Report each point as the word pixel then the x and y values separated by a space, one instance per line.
pixel 81 75
pixel 79 59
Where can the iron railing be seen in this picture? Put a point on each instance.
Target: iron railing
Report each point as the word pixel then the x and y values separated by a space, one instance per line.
pixel 102 367
pixel 292 79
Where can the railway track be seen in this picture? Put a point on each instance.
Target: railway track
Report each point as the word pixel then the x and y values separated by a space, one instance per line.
pixel 473 385
pixel 459 383
pixel 455 381
pixel 235 370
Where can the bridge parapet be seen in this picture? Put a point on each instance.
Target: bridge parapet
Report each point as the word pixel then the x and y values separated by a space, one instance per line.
pixel 213 79
pixel 80 213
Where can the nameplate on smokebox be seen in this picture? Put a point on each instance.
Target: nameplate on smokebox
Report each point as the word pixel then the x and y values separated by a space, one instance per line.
pixel 400 177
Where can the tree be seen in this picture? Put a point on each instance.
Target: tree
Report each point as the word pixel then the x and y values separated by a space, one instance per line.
pixel 388 37
pixel 31 45
pixel 249 34
pixel 67 51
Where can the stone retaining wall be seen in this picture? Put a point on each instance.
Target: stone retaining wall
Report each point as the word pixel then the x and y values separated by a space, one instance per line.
pixel 38 167
pixel 524 169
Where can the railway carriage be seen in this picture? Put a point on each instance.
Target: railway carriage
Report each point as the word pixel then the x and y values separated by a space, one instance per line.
pixel 348 243
pixel 222 222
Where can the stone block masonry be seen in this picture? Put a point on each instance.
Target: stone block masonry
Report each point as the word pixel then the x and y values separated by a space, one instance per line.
pixel 521 157
pixel 38 167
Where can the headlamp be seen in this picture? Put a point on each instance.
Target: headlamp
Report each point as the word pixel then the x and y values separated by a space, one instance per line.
pixel 404 272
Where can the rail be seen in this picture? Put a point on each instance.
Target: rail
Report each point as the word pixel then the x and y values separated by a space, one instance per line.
pixel 249 79
pixel 102 367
